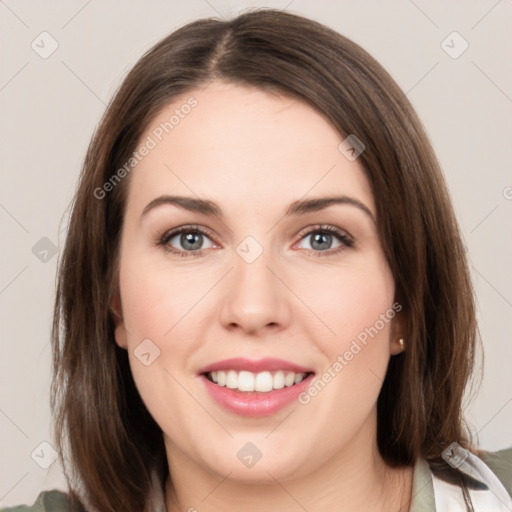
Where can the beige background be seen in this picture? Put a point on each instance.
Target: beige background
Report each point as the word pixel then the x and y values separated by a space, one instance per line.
pixel 49 108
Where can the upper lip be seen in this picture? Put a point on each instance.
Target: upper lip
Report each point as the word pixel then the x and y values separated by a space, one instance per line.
pixel 255 366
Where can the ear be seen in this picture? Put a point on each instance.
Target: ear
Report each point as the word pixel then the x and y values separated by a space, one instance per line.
pixel 117 312
pixel 399 331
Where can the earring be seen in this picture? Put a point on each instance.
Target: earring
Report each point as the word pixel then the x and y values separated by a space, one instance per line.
pixel 401 341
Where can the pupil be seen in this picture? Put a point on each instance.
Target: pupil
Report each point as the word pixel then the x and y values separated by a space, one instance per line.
pixel 188 238
pixel 323 240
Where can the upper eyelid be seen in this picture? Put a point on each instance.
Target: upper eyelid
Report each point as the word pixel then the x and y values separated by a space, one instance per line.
pixel 171 233
pixel 324 227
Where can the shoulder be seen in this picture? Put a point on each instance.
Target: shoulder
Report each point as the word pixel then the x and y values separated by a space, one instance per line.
pixel 47 501
pixel 500 463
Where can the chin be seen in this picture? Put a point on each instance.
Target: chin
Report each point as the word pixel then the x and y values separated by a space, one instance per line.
pixel 267 465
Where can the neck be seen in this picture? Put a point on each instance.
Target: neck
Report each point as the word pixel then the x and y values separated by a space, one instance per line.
pixel 354 479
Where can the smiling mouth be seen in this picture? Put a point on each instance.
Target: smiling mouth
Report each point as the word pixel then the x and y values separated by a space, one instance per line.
pixel 261 382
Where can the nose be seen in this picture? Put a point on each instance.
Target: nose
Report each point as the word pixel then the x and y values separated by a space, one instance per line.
pixel 255 298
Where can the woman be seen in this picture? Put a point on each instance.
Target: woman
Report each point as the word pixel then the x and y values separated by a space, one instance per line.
pixel 310 349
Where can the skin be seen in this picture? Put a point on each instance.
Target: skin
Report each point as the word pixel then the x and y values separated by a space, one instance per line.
pixel 253 153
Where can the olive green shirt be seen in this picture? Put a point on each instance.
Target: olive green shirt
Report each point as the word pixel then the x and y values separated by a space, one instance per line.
pixel 499 462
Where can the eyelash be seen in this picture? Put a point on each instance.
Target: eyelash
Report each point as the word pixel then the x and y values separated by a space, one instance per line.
pixel 346 241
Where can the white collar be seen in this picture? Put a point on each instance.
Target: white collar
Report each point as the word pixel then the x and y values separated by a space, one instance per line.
pixel 490 497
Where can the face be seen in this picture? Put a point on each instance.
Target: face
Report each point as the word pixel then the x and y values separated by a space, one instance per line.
pixel 257 291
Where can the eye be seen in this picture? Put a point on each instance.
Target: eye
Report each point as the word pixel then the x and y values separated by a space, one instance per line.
pixel 190 239
pixel 322 237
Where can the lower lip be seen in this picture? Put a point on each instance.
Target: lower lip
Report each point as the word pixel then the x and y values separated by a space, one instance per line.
pixel 254 403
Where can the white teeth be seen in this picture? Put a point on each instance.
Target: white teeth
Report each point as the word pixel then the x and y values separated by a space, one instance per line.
pixel 232 379
pixel 245 381
pixel 289 380
pixel 221 378
pixel 262 382
pixel 278 380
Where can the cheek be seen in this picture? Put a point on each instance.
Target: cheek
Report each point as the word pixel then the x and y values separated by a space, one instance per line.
pixel 155 306
pixel 156 301
pixel 168 308
pixel 347 302
pixel 356 313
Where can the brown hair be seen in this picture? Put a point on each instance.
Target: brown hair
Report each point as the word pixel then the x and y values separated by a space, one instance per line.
pixel 113 442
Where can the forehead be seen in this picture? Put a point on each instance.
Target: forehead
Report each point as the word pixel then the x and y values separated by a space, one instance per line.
pixel 241 143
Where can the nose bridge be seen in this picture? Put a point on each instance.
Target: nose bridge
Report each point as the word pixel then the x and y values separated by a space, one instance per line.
pixel 256 297
pixel 252 264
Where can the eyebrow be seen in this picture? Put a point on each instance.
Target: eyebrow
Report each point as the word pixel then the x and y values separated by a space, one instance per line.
pixel 300 207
